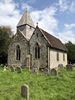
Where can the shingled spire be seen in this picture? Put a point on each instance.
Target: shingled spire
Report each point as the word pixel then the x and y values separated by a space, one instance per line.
pixel 26 25
pixel 26 19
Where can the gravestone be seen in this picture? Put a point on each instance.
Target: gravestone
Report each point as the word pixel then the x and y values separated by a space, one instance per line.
pixel 25 91
pixel 1 65
pixel 34 70
pixel 12 69
pixel 73 65
pixel 46 71
pixel 18 69
pixel 60 66
pixel 69 67
pixel 53 72
pixel 4 68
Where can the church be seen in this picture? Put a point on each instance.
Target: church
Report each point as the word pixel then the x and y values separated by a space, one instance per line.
pixel 34 47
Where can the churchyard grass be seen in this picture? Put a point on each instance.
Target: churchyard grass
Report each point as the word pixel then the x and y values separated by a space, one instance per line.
pixel 41 86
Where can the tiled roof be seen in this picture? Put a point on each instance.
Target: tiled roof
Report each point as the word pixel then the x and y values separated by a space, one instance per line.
pixel 53 41
pixel 26 19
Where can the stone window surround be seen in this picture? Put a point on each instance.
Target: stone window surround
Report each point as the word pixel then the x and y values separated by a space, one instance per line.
pixel 18 52
pixel 37 51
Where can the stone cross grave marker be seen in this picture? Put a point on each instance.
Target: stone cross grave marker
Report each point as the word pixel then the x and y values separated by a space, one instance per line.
pixel 25 91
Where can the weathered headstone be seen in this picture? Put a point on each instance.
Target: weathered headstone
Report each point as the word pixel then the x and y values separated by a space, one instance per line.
pixel 25 91
pixel 12 69
pixel 46 71
pixel 53 72
pixel 4 68
pixel 1 65
pixel 18 69
pixel 69 67
pixel 60 66
pixel 34 70
pixel 73 65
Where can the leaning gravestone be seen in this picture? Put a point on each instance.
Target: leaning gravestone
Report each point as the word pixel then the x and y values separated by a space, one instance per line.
pixel 18 69
pixel 53 72
pixel 69 67
pixel 25 91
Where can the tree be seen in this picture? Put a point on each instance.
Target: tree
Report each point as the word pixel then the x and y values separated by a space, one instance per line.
pixel 71 52
pixel 5 38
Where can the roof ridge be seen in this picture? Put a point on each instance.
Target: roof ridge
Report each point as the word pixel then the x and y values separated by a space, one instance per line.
pixel 45 36
pixel 53 41
pixel 50 34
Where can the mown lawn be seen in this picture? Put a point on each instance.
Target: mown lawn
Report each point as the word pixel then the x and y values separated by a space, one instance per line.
pixel 42 87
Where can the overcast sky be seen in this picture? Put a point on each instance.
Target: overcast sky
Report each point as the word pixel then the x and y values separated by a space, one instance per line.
pixel 55 16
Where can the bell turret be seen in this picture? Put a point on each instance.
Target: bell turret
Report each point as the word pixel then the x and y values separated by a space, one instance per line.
pixel 26 25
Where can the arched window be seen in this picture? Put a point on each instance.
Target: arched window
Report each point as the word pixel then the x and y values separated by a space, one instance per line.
pixel 37 51
pixel 18 52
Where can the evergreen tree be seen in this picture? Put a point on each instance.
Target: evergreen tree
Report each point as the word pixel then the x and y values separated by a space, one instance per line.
pixel 5 38
pixel 71 52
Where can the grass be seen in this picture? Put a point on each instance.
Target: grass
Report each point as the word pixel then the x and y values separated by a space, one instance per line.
pixel 42 87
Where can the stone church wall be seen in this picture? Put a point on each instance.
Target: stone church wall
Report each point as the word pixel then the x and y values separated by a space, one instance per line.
pixel 26 30
pixel 29 31
pixel 24 47
pixel 43 60
pixel 53 58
